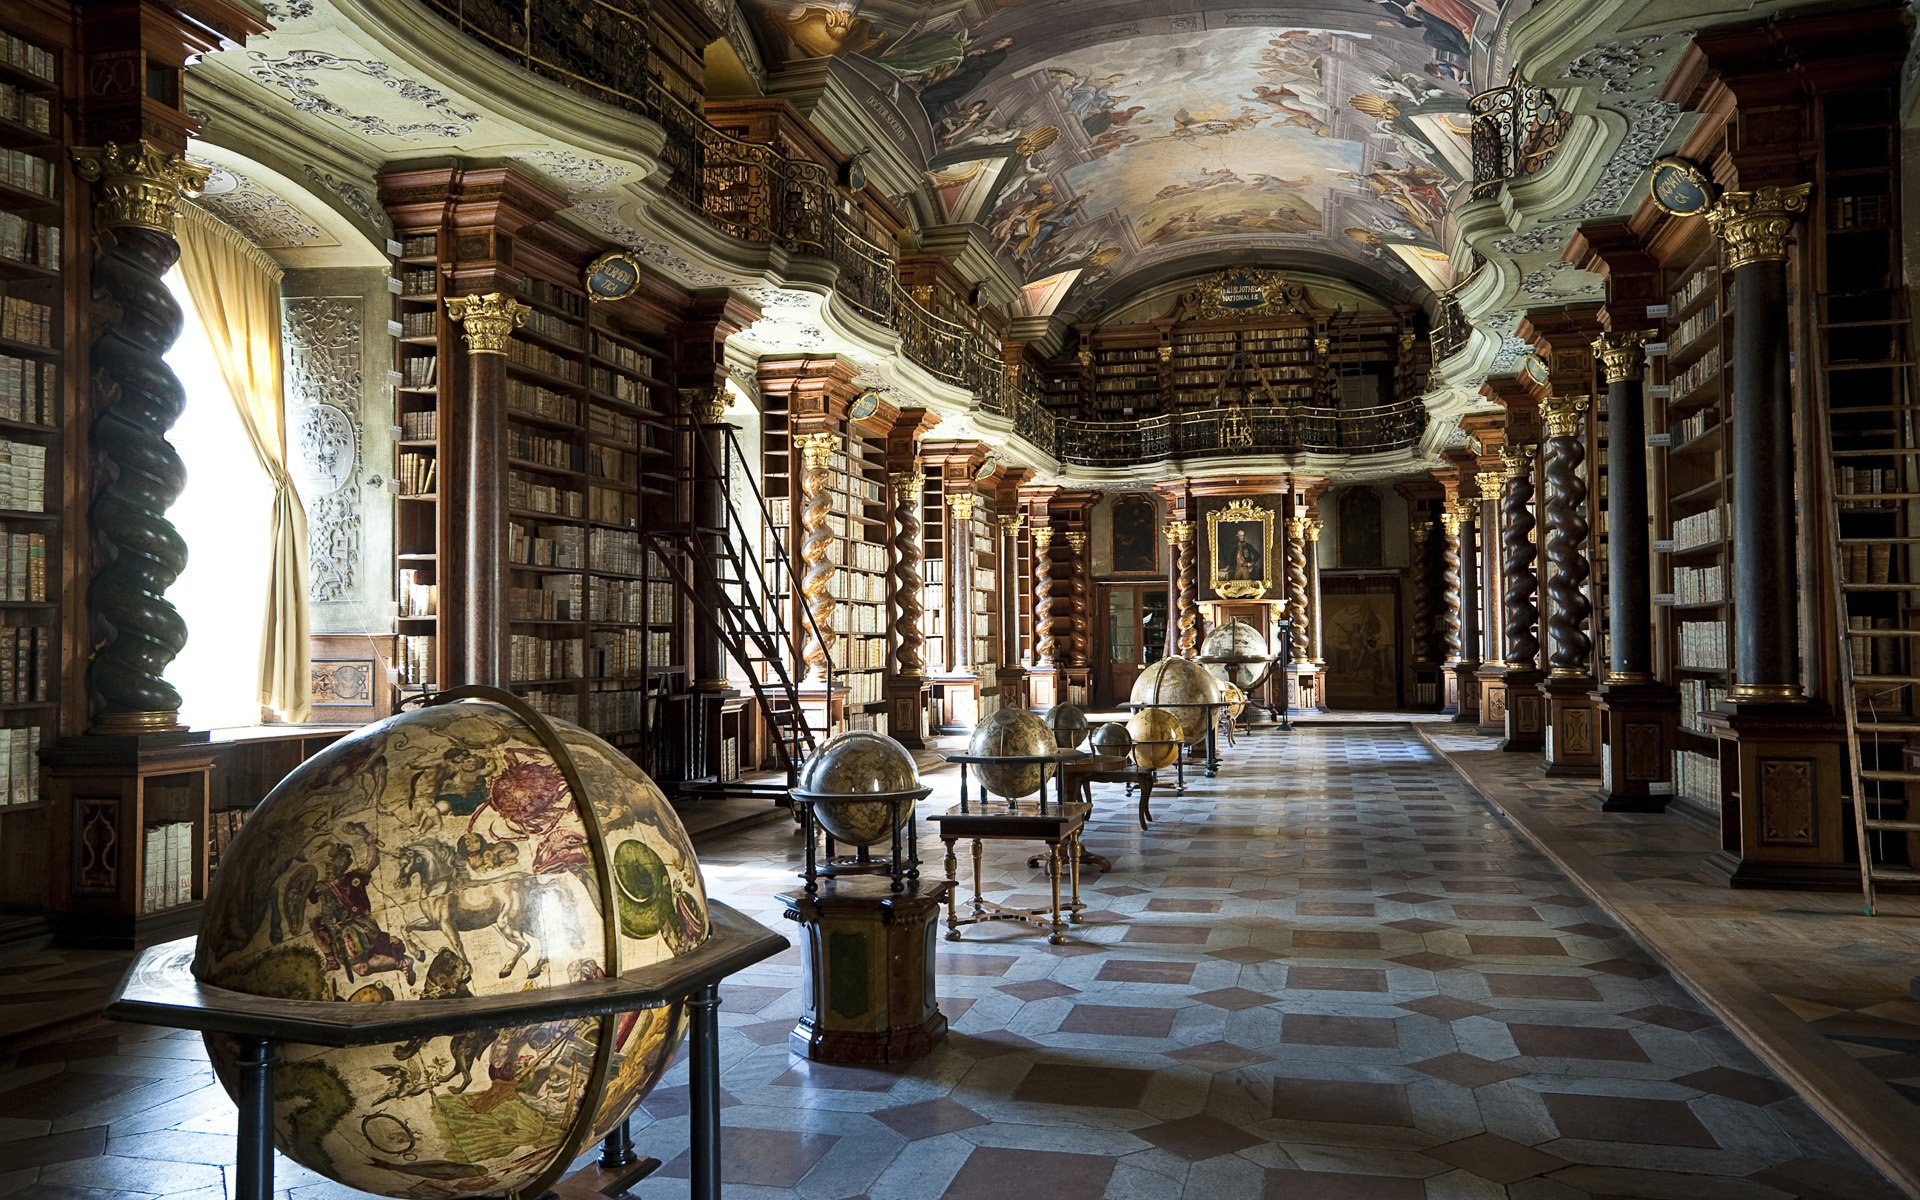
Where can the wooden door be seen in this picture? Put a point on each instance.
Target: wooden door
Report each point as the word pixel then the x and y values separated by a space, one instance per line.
pixel 1132 633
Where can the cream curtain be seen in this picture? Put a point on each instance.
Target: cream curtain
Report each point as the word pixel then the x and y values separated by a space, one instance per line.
pixel 235 288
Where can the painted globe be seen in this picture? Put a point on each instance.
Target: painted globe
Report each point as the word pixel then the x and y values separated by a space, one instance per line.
pixel 444 855
pixel 1162 730
pixel 1013 732
pixel 856 764
pixel 1235 640
pixel 1180 686
pixel 1069 725
pixel 1233 698
pixel 1111 740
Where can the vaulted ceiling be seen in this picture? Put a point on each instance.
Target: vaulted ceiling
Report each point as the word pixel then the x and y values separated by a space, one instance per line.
pixel 1104 146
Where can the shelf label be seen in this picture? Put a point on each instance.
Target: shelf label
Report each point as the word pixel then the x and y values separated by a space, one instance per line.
pixel 394 329
pixel 1665 598
pixel 394 249
pixel 1660 391
pixel 1655 349
pixel 1659 310
pixel 1663 545
pixel 393 285
pixel 1659 441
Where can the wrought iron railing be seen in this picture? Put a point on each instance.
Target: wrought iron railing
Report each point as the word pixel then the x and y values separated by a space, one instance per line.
pixel 1293 429
pixel 1516 131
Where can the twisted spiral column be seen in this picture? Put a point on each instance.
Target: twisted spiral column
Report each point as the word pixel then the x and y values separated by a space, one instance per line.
pixel 1045 646
pixel 1450 585
pixel 1566 537
pixel 1516 544
pixel 1187 593
pixel 1081 640
pixel 816 550
pixel 137 553
pixel 1297 588
pixel 1421 559
pixel 908 637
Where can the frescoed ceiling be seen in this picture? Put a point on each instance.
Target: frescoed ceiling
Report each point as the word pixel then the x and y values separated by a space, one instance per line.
pixel 1107 145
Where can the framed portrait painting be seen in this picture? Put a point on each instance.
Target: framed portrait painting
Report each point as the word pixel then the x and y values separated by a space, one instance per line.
pixel 1241 537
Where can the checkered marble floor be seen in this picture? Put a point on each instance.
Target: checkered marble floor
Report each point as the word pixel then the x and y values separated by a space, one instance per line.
pixel 1331 972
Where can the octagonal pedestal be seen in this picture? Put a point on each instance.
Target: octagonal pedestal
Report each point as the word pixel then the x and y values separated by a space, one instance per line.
pixel 869 958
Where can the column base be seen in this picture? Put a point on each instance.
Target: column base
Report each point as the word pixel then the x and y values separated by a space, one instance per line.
pixel 1491 679
pixel 868 955
pixel 1012 685
pixel 1526 725
pixel 1043 687
pixel 1306 688
pixel 1637 721
pixel 1573 726
pixel 1466 691
pixel 907 710
pixel 1781 814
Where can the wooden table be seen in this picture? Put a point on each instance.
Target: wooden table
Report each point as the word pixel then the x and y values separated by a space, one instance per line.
pixel 1057 823
pixel 1118 768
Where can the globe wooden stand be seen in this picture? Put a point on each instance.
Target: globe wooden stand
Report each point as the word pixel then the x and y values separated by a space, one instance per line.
pixel 869 957
pixel 160 989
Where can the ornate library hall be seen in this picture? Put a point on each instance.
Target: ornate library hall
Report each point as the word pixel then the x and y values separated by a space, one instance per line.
pixel 959 600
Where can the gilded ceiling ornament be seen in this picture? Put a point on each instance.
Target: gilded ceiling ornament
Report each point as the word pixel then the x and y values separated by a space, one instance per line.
pixel 1179 532
pixel 140 183
pixel 816 449
pixel 961 505
pixel 1623 355
pixel 488 320
pixel 1560 415
pixel 1755 225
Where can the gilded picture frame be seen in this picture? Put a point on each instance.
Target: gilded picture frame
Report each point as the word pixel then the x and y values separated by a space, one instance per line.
pixel 1241 540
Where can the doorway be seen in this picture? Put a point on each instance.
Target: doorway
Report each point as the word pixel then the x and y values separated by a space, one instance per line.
pixel 1133 634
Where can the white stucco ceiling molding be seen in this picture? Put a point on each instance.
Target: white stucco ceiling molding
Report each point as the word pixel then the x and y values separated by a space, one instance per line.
pixel 407 33
pixel 311 231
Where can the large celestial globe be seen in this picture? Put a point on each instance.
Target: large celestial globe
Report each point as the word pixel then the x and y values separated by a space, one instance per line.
pixel 1157 736
pixel 442 855
pixel 1069 724
pixel 852 767
pixel 1181 687
pixel 1011 732
pixel 1241 645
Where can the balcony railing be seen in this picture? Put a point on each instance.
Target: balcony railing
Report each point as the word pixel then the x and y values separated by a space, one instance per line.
pixel 1234 430
pixel 1516 131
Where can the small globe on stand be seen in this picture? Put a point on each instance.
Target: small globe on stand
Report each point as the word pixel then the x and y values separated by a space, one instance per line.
pixel 1069 725
pixel 1233 651
pixel 1183 688
pixel 455 853
pixel 846 775
pixel 1111 740
pixel 1233 698
pixel 1012 733
pixel 1157 736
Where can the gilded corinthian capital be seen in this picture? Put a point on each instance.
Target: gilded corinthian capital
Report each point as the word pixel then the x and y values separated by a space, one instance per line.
pixel 1179 532
pixel 1560 415
pixel 1754 225
pixel 1623 355
pixel 816 450
pixel 488 320
pixel 140 183
pixel 961 505
pixel 1490 482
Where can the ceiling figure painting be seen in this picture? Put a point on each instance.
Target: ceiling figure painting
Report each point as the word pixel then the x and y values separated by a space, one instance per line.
pixel 1104 145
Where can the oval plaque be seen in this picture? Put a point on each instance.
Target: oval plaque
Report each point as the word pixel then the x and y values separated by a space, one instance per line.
pixel 1680 188
pixel 1535 368
pixel 864 406
pixel 612 276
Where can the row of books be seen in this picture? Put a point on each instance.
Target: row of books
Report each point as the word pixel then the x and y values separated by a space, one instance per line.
pixel 419 281
pixel 419 474
pixel 864 687
pixel 554 296
pixel 866 556
pixel 419 324
pixel 26 108
pixel 542 449
pixel 618 552
pixel 531 658
pixel 1695 286
pixel 530 495
pixel 623 388
pixel 549 326
pixel 614 426
pixel 1696 777
pixel 223 825
pixel 420 245
pixel 166 876
pixel 1698 529
pixel 860 654
pixel 530 399
pixel 620 354
pixel 626 601
pixel 417 597
pixel 615 711
pixel 874 722
pixel 1699 373
pixel 416 660
pixel 609 506
pixel 546 545
pixel 28 241
pixel 613 463
pixel 1874 655
pixel 1692 329
pixel 1869 564
pixel 19 766
pixel 27 172
pixel 1702 644
pixel 859 586
pixel 556 599
pixel 28 321
pixel 420 426
pixel 23 55
pixel 616 653
pixel 1866 481
pixel 23 477
pixel 1698 696
pixel 525 354
pixel 1688 428
pixel 29 390
pixel 1699 585
pixel 564 705
pixel 420 371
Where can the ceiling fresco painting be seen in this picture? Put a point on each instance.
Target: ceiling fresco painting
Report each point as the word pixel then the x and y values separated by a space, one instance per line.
pixel 1097 142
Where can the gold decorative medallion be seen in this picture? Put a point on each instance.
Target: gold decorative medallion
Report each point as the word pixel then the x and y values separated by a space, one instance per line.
pixel 1241 536
pixel 1623 356
pixel 612 276
pixel 140 183
pixel 488 320
pixel 1755 225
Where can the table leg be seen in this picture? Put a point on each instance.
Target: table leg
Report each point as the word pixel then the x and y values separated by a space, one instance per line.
pixel 1213 750
pixel 976 877
pixel 253 1167
pixel 1053 876
pixel 953 879
pixel 703 1088
pixel 617 1149
pixel 1146 802
pixel 1075 850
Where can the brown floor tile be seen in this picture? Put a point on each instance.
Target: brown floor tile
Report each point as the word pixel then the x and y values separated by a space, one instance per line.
pixel 929 1118
pixel 1336 979
pixel 1035 989
pixel 1175 905
pixel 1090 1087
pixel 1417 925
pixel 1495 945
pixel 750 1157
pixel 996 1173
pixel 1116 1020
pixel 1542 987
pixel 1234 999
pixel 1307 1029
pixel 1335 939
pixel 1330 1185
pixel 1342 1102
pixel 1672 1018
pixel 1627 1119
pixel 1335 908
pixel 1218 1056
pixel 1468 1070
pixel 1412 897
pixel 1494 1158
pixel 1576 1041
pixel 1133 970
pixel 1626 968
pixel 1168 935
pixel 1427 960
pixel 976 964
pixel 1591 929
pixel 1736 1085
pixel 1198 1138
pixel 770 1033
pixel 53 1148
pixel 1495 912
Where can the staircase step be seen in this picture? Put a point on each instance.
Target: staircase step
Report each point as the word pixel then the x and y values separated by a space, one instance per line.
pixel 1884 680
pixel 1888 726
pixel 1891 776
pixel 1892 826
